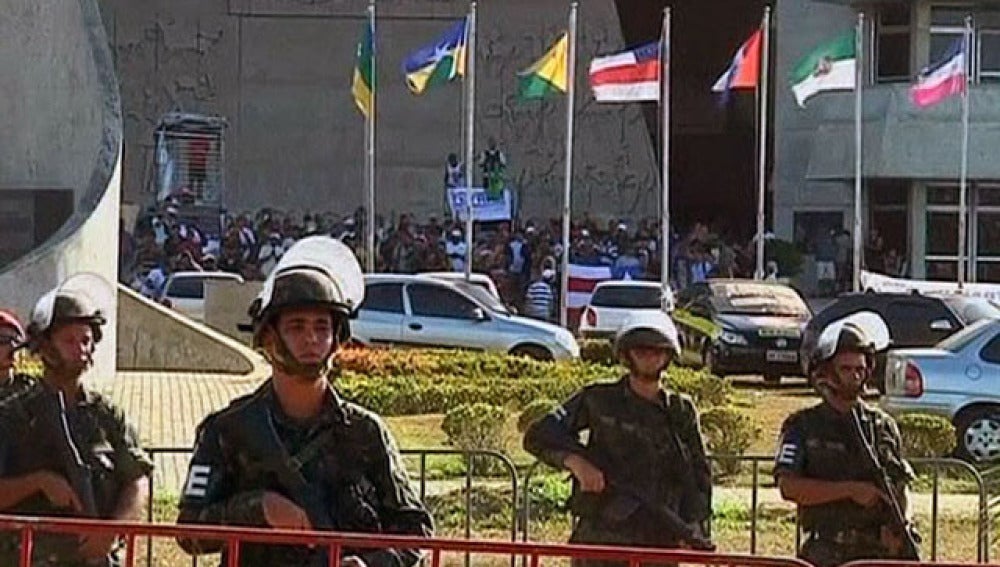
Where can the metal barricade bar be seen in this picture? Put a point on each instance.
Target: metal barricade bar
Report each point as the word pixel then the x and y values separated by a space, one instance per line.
pixel 336 542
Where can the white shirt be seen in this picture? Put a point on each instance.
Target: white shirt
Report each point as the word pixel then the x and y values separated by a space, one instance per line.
pixel 456 252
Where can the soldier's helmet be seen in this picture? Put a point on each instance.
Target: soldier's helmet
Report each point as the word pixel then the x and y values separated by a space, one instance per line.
pixel 315 271
pixel 647 329
pixel 82 298
pixel 865 332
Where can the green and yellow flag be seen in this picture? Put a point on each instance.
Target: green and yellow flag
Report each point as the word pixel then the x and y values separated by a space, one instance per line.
pixel 364 82
pixel 548 75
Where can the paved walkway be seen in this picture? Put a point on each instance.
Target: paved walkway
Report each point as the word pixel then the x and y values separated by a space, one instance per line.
pixel 167 407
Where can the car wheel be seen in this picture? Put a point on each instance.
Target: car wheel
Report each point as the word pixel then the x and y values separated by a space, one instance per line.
pixel 534 352
pixel 978 434
pixel 772 379
pixel 709 363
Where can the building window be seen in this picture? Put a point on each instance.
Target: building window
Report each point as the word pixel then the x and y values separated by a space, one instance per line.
pixel 892 43
pixel 948 25
pixel 887 241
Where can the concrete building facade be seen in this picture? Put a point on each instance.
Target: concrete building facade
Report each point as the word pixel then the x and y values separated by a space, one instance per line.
pixel 911 157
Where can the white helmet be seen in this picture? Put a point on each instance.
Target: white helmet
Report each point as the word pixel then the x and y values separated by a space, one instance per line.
pixel 84 297
pixel 647 328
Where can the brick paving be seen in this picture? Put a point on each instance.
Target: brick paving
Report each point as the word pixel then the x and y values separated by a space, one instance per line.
pixel 166 407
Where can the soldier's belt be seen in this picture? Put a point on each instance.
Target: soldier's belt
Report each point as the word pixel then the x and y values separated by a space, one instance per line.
pixel 847 537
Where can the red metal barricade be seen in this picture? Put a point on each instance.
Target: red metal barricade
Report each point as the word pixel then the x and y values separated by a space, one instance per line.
pixel 888 563
pixel 434 547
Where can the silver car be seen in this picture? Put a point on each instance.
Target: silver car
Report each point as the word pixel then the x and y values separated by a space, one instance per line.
pixel 422 311
pixel 958 379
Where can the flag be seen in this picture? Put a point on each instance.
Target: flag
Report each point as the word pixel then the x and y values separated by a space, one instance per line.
pixel 439 62
pixel 744 70
pixel 582 281
pixel 364 82
pixel 944 79
pixel 829 67
pixel 547 75
pixel 632 75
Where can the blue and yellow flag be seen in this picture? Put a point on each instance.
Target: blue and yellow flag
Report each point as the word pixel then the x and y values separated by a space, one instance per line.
pixel 363 83
pixel 440 62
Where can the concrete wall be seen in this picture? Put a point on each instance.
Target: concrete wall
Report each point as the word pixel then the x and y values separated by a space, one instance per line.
pixel 280 71
pixel 61 121
pixel 152 337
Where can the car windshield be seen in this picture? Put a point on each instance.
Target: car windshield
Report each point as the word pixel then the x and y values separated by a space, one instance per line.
pixel 957 342
pixel 483 296
pixel 748 298
pixel 627 297
pixel 186 288
pixel 972 309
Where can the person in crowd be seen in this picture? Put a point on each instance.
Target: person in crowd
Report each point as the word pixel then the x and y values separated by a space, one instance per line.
pixel 540 299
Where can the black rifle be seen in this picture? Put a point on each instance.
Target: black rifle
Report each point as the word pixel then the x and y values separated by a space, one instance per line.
pixel 902 527
pixel 78 473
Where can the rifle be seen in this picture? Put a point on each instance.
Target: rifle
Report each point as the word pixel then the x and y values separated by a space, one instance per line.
pixel 78 473
pixel 619 501
pixel 911 539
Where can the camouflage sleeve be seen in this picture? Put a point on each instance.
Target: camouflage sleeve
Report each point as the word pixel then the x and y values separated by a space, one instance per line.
pixel 132 462
pixel 891 453
pixel 791 454
pixel 692 437
pixel 557 435
pixel 400 511
pixel 207 496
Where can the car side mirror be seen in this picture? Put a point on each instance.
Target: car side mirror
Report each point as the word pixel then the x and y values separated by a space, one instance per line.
pixel 479 315
pixel 941 325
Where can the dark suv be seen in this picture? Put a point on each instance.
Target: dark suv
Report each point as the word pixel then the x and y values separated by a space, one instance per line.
pixel 914 320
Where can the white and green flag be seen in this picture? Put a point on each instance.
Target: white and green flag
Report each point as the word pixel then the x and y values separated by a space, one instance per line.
pixel 829 67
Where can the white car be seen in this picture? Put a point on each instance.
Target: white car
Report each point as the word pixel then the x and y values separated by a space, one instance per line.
pixel 185 291
pixel 613 301
pixel 422 311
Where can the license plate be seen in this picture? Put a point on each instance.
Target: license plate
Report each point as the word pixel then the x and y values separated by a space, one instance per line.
pixel 782 356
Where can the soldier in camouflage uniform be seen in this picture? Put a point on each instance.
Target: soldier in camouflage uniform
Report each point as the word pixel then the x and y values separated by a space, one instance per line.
pixel 11 337
pixel 65 450
pixel 644 457
pixel 823 466
pixel 294 455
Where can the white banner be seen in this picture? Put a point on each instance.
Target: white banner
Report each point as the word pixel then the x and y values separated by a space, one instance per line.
pixel 885 284
pixel 484 210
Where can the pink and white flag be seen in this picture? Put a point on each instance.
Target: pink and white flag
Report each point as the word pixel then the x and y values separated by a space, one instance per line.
pixel 944 79
pixel 629 76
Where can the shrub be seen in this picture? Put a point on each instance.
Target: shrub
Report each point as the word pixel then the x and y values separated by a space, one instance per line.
pixel 535 411
pixel 705 389
pixel 926 435
pixel 729 432
pixel 598 352
pixel 477 426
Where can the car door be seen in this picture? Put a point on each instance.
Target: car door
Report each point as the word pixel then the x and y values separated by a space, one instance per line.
pixel 916 322
pixel 187 296
pixel 380 318
pixel 441 317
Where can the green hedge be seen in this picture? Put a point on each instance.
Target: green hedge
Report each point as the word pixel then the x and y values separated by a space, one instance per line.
pixel 926 435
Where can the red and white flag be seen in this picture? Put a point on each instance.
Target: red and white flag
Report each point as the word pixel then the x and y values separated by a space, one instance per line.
pixel 944 79
pixel 582 281
pixel 629 76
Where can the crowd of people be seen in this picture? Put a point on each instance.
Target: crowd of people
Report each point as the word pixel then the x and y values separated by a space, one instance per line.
pixel 515 255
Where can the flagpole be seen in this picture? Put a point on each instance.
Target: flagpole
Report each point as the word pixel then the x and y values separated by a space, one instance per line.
pixel 370 232
pixel 762 140
pixel 470 134
pixel 858 85
pixel 568 183
pixel 665 148
pixel 964 173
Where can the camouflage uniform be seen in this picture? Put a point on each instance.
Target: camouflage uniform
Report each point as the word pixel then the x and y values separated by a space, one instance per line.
pixel 358 475
pixel 15 384
pixel 654 449
pixel 29 443
pixel 821 443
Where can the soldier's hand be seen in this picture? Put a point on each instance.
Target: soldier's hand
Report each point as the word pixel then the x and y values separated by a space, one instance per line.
pixel 353 561
pixel 96 546
pixel 891 540
pixel 867 494
pixel 590 477
pixel 282 513
pixel 57 490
